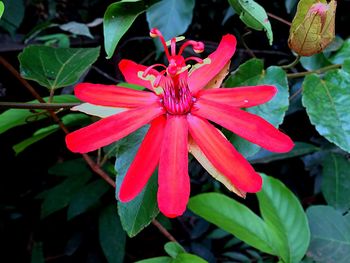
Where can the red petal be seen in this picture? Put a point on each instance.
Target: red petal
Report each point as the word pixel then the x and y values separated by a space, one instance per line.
pixel 110 129
pixel 111 95
pixel 144 163
pixel 200 77
pixel 223 155
pixel 242 97
pixel 173 179
pixel 249 126
pixel 130 71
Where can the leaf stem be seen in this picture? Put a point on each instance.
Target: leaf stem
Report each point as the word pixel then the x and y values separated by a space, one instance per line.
pixel 317 71
pixel 290 65
pixel 279 19
pixel 44 106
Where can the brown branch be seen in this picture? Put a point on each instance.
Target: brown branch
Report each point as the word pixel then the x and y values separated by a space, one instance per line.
pixel 279 19
pixel 40 106
pixel 317 71
pixel 94 166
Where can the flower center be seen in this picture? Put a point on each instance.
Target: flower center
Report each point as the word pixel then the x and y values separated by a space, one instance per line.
pixel 177 98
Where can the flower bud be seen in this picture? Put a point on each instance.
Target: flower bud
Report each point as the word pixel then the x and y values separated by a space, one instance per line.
pixel 312 28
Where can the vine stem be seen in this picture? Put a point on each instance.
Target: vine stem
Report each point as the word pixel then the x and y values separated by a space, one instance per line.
pixel 279 19
pixel 92 164
pixel 34 106
pixel 318 71
pixel 296 61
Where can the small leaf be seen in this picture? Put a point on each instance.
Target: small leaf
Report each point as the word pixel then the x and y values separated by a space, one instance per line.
pixel 156 260
pixel 138 213
pixel 336 181
pixel 56 67
pixel 37 253
pixel 171 17
pixel 173 249
pixel 76 28
pixel 300 148
pixel 330 235
pixel 13 16
pixel 86 197
pixel 314 62
pixel 253 15
pixel 2 8
pixel 327 103
pixel 117 19
pixel 17 117
pixel 97 110
pixel 111 234
pixel 342 54
pixel 252 73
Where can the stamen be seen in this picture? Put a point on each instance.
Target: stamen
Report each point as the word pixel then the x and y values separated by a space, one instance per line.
pixel 173 46
pixel 156 33
pixel 197 47
pixel 198 60
pixel 145 73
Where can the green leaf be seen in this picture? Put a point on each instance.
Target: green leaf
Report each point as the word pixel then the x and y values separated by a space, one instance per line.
pixel 253 73
pixel 283 232
pixel 87 197
pixel 56 67
pixel 253 15
pixel 37 253
pixel 61 195
pixel 156 260
pixel 13 16
pixel 336 181
pixel 138 213
pixel 171 17
pixel 290 4
pixel 173 249
pixel 111 234
pixel 17 117
pixel 117 19
pixel 300 148
pixel 342 54
pixel 330 235
pixel 284 218
pixel 188 258
pixel 68 120
pixel 234 218
pixel 76 28
pixel 314 62
pixel 97 110
pixel 2 8
pixel 327 103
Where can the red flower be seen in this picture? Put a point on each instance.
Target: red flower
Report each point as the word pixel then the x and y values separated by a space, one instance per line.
pixel 179 108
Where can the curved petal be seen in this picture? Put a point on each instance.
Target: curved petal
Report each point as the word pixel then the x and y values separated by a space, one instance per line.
pixel 242 97
pixel 111 95
pixel 249 126
pixel 199 78
pixel 144 163
pixel 131 72
pixel 110 129
pixel 197 153
pixel 223 155
pixel 173 179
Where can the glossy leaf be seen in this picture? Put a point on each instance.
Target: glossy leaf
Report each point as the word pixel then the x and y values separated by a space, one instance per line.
pixel 188 258
pixel 300 148
pixel 117 19
pixel 312 28
pixel 62 194
pixel 330 235
pixel 283 231
pixel 252 73
pixel 336 181
pixel 13 15
pixel 173 249
pixel 87 197
pixel 342 54
pixel 253 15
pixel 327 103
pixel 111 235
pixel 171 17
pixel 314 62
pixel 2 8
pixel 138 213
pixel 68 120
pixel 56 67
pixel 156 260
pixel 285 219
pixel 17 117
